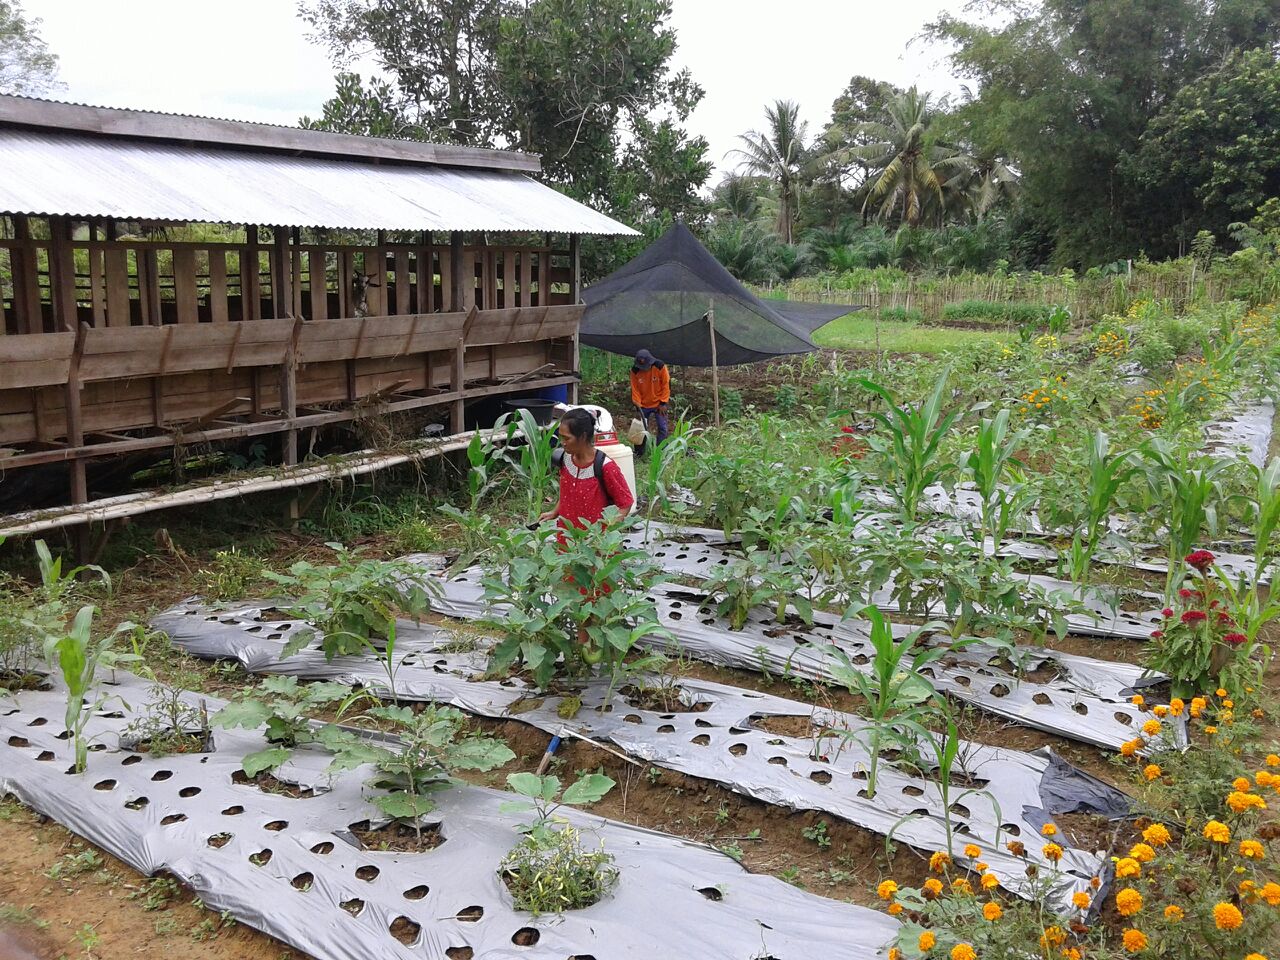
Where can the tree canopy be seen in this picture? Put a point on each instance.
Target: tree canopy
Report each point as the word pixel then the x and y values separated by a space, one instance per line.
pixel 26 65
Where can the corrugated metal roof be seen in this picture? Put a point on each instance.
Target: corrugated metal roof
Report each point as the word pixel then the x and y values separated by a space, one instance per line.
pixel 92 176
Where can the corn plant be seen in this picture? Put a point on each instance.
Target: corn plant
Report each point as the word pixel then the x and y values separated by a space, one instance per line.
pixel 476 525
pixel 77 656
pixel 1105 474
pixel 987 465
pixel 899 697
pixel 431 745
pixel 664 459
pixel 528 449
pixel 908 445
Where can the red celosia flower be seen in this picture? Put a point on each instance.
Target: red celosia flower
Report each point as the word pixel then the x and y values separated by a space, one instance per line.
pixel 1224 617
pixel 846 429
pixel 1184 593
pixel 1213 604
pixel 1235 639
pixel 1167 612
pixel 1157 634
pixel 1194 616
pixel 1202 560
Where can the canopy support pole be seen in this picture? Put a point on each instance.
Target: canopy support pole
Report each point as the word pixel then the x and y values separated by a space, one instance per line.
pixel 715 366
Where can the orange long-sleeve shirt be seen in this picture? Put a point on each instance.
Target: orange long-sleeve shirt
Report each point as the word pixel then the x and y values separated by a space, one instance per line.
pixel 651 387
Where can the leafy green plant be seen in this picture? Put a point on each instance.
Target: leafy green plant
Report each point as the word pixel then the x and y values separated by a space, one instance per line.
pixel 476 525
pixel 908 445
pixel 758 580
pixel 353 604
pixel 527 450
pixel 730 403
pixel 167 723
pixel 545 797
pixel 785 400
pixel 987 465
pixel 557 874
pixel 1105 474
pixel 284 706
pixel 230 575
pixel 664 460
pixel 570 599
pixel 78 656
pixel 432 744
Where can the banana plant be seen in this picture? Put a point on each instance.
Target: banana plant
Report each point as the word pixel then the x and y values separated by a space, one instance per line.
pixel 908 445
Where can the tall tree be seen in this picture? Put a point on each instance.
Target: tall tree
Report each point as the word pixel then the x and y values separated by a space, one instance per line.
pixel 778 153
pixel 911 166
pixel 26 65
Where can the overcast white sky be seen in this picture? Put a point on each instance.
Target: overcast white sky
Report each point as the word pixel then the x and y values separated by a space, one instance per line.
pixel 250 59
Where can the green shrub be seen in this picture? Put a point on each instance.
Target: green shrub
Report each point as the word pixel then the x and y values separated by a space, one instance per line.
pixel 997 314
pixel 730 403
pixel 901 315
pixel 1153 352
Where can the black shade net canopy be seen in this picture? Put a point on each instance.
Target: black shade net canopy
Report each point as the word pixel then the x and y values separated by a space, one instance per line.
pixel 659 301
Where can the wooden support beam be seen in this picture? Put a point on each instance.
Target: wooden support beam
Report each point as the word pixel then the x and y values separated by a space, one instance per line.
pixel 457 278
pixel 281 275
pixel 575 269
pixel 250 281
pixel 75 425
pixel 458 385
pixel 62 275
pixel 289 394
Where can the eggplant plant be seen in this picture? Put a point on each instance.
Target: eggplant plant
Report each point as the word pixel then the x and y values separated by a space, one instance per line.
pixel 284 706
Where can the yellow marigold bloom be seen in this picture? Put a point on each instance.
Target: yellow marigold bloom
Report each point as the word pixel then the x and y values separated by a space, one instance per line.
pixel 932 888
pixel 1242 784
pixel 1263 778
pixel 1173 913
pixel 961 884
pixel 1151 771
pixel 1157 835
pixel 1252 850
pixel 1137 700
pixel 1049 830
pixel 1160 710
pixel 1129 747
pixel 895 953
pixel 1211 730
pixel 1151 727
pixel 1254 956
pixel 962 951
pixel 1227 916
pixel 1134 941
pixel 1176 706
pixel 972 851
pixel 1270 892
pixel 894 909
pixel 938 861
pixel 1128 867
pixel 1071 953
pixel 1273 760
pixel 927 941
pixel 1220 692
pixel 1053 936
pixel 1217 831
pixel 1142 853
pixel 1246 889
pixel 1081 900
pixel 990 881
pixel 1229 704
pixel 887 889
pixel 991 912
pixel 980 866
pixel 1128 902
pixel 1240 802
pixel 1052 852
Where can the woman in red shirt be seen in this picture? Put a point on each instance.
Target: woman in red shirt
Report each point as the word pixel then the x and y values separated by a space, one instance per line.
pixel 584 496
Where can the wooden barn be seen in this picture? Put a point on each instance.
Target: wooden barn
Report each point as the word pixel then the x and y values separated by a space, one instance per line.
pixel 345 274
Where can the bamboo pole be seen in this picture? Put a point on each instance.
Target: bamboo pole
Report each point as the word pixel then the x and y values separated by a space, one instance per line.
pixel 715 366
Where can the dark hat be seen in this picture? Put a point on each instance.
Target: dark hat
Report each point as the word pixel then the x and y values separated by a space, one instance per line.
pixel 644 359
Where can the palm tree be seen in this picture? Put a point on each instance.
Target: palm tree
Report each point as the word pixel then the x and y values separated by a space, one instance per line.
pixel 778 153
pixel 913 167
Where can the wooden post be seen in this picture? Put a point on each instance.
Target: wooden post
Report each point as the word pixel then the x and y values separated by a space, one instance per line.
pixel 715 367
pixel 457 286
pixel 458 415
pixel 62 275
pixel 281 275
pixel 250 282
pixel 26 280
pixel 575 269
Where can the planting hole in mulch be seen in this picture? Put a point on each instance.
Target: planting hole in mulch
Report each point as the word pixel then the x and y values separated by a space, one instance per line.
pixel 525 937
pixel 662 700
pixel 397 836
pixel 27 680
pixel 269 783
pixel 405 930
pixel 459 953
pixel 219 840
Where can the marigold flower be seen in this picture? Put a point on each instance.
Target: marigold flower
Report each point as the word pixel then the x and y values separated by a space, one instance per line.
pixel 1221 692
pixel 1173 913
pixel 1095 882
pixel 1273 760
pixel 961 884
pixel 1127 867
pixel 1240 802
pixel 886 889
pixel 1252 850
pixel 1137 700
pixel 932 888
pixel 991 912
pixel 1052 852
pixel 980 866
pixel 1229 704
pixel 895 953
pixel 1151 727
pixel 1202 560
pixel 1246 890
pixel 1211 730
pixel 927 941
pixel 1254 956
pixel 1151 771
pixel 1142 853
pixel 962 951
pixel 939 861
pixel 1017 848
pixel 1176 706
pixel 1160 710
pixel 1193 616
pixel 1262 778
pixel 1081 900
pixel 1270 892
pixel 1128 902
pixel 1134 941
pixel 1157 835
pixel 1217 831
pixel 972 851
pixel 1129 747
pixel 1071 953
pixel 1049 830
pixel 1053 936
pixel 1242 784
pixel 894 909
pixel 1227 916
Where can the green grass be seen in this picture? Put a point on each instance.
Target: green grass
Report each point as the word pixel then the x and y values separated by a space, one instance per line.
pixel 857 331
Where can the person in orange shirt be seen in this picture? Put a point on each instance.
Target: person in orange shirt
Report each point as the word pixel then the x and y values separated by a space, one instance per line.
pixel 651 391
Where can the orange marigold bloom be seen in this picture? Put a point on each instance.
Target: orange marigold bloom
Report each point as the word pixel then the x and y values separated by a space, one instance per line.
pixel 1137 700
pixel 1173 913
pixel 1229 704
pixel 961 884
pixel 1017 848
pixel 927 941
pixel 1157 835
pixel 1095 882
pixel 1252 850
pixel 1227 916
pixel 1263 779
pixel 1270 892
pixel 886 889
pixel 939 861
pixel 932 888
pixel 980 866
pixel 991 912
pixel 1127 867
pixel 1081 900
pixel 972 851
pixel 1254 956
pixel 1240 802
pixel 1128 902
pixel 1273 760
pixel 895 953
pixel 990 881
pixel 1246 890
pixel 1151 727
pixel 1142 853
pixel 962 951
pixel 1160 710
pixel 1053 936
pixel 1049 829
pixel 1221 692
pixel 1052 852
pixel 1129 747
pixel 894 909
pixel 1242 784
pixel 1151 771
pixel 1211 730
pixel 1071 953
pixel 1176 706
pixel 1217 831
pixel 1134 941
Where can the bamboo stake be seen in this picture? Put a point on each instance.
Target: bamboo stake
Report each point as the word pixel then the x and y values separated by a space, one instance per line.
pixel 715 366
